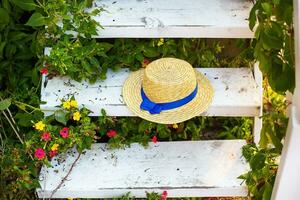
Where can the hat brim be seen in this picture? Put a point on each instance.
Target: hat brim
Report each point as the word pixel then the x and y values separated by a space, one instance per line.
pixel 133 99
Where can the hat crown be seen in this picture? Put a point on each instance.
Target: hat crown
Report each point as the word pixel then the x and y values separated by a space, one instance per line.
pixel 168 79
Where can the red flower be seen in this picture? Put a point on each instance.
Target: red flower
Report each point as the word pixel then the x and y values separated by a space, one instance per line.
pixel 44 70
pixel 46 136
pixel 52 153
pixel 39 153
pixel 64 132
pixel 212 198
pixel 164 195
pixel 145 62
pixel 154 139
pixel 111 133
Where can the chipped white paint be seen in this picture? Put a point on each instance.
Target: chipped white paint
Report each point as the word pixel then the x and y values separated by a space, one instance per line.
pixel 236 93
pixel 193 168
pixel 187 168
pixel 258 120
pixel 174 18
pixel 288 177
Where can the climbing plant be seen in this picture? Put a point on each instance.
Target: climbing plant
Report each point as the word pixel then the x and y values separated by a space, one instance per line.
pixel 273 47
pixel 272 21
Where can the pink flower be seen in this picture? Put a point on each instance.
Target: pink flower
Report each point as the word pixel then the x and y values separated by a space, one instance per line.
pixel 164 195
pixel 64 132
pixel 44 70
pixel 39 153
pixel 154 139
pixel 52 153
pixel 111 133
pixel 46 136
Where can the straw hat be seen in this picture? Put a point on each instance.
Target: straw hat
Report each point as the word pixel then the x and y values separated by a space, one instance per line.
pixel 168 91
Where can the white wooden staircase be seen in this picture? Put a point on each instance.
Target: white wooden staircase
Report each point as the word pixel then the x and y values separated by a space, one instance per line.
pixel 183 169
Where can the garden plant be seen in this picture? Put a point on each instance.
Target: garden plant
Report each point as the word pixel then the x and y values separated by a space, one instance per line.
pixel 29 140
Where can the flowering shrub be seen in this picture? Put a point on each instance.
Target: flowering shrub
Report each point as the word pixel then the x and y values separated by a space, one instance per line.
pixel 67 127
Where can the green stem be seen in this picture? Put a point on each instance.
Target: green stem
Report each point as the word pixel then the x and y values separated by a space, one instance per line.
pixel 12 126
pixel 12 119
pixel 27 105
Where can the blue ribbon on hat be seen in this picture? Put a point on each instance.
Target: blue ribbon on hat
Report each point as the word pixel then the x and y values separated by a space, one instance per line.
pixel 156 108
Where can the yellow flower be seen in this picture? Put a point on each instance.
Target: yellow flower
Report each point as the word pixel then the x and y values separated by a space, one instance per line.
pixel 55 147
pixel 160 42
pixel 175 126
pixel 70 198
pixel 76 116
pixel 73 104
pixel 39 126
pixel 66 105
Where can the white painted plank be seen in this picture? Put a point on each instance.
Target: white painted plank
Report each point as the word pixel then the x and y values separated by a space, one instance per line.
pixel 297 57
pixel 187 168
pixel 288 177
pixel 257 126
pixel 174 18
pixel 236 93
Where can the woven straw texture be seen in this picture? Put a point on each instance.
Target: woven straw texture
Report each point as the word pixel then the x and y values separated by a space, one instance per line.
pixel 165 80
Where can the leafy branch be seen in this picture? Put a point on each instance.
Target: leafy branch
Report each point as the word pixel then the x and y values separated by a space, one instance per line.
pixel 274 43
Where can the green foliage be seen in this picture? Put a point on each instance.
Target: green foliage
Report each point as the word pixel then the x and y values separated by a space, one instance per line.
pixel 274 119
pixel 260 179
pixel 18 173
pixel 236 128
pixel 274 44
pixel 17 50
pixel 78 127
pixel 263 159
pixel 79 59
pixel 135 129
pixel 84 59
pixel 4 104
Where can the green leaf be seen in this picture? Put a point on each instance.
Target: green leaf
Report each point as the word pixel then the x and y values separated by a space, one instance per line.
pixel 16 35
pixel 267 8
pixel 28 5
pixel 87 66
pixel 265 62
pixel 4 17
pixel 275 140
pixel 270 42
pixel 61 116
pixel 267 191
pixel 252 17
pixel 258 161
pixel 104 46
pixel 4 104
pixel 24 119
pixel 36 19
pixel 94 62
pixel 263 142
pixel 281 78
pixel 163 131
pixel 151 52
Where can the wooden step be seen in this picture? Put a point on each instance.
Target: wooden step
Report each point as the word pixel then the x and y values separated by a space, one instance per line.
pixel 174 18
pixel 236 93
pixel 183 169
